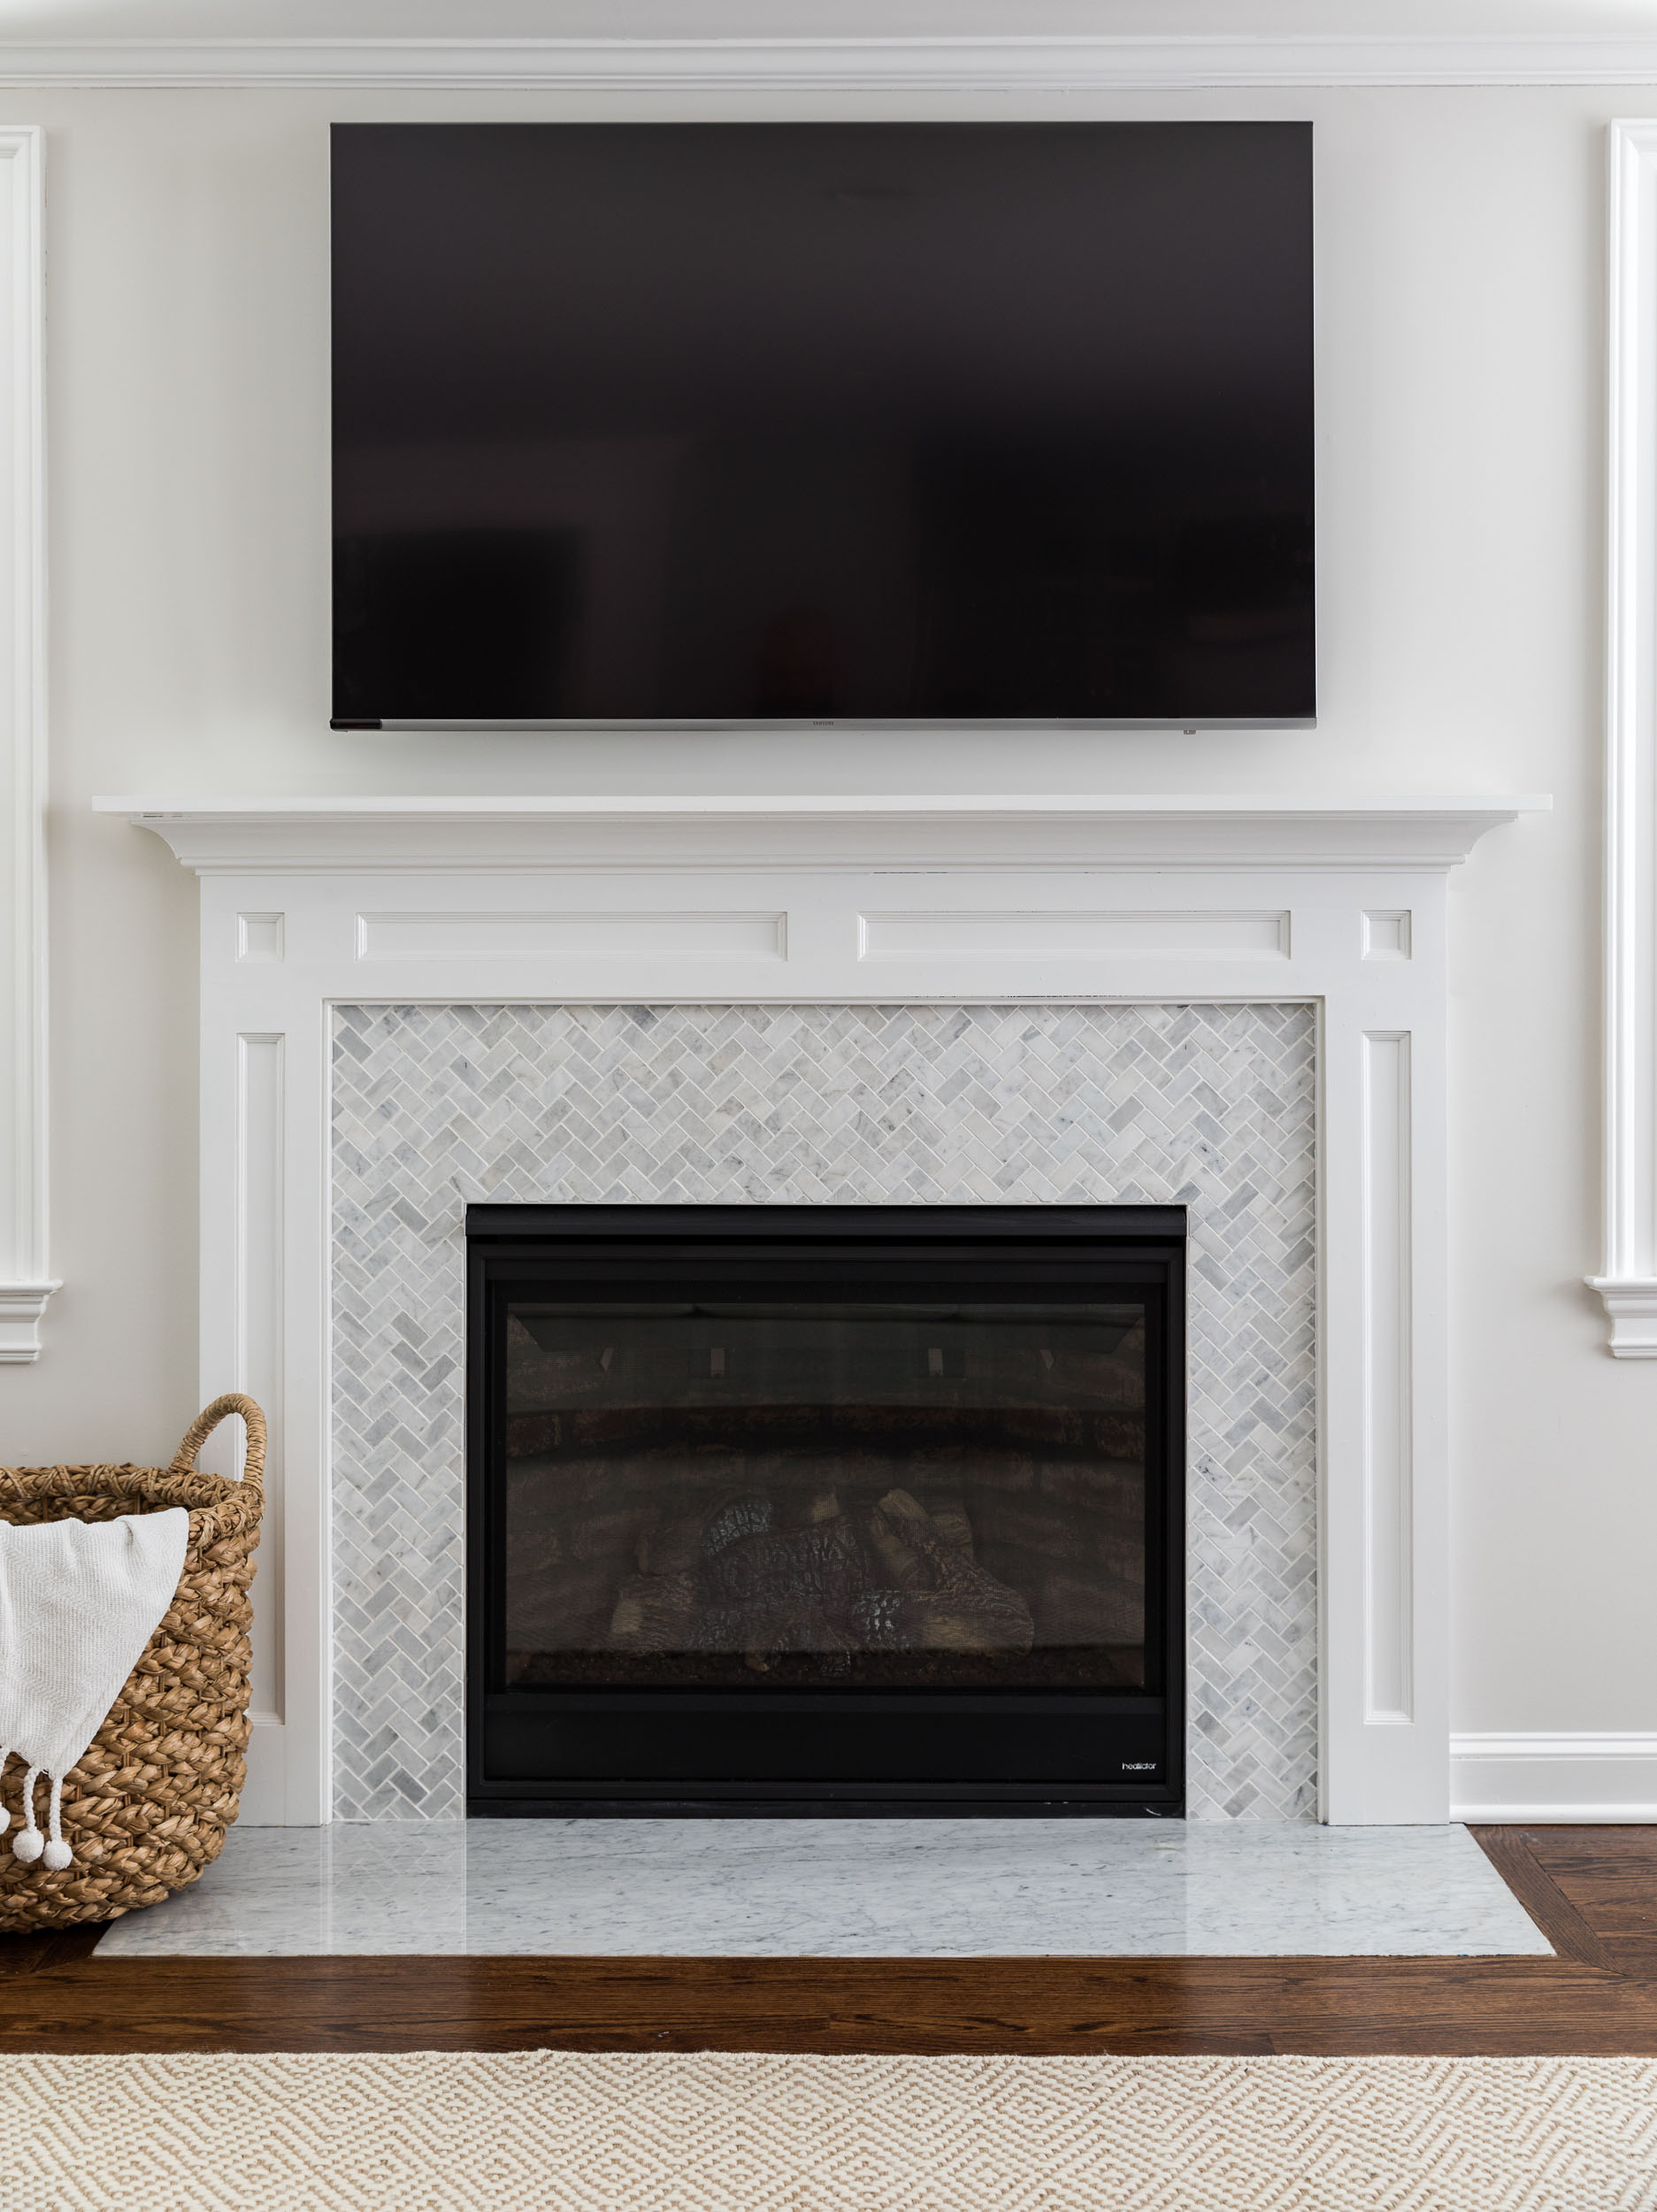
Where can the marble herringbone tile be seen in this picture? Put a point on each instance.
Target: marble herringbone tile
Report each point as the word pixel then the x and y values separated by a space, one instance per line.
pixel 1208 1106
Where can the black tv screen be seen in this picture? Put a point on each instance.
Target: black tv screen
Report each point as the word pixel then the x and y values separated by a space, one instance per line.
pixel 878 423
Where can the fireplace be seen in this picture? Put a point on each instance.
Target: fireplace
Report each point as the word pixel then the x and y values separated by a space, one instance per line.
pixel 1236 1004
pixel 825 1508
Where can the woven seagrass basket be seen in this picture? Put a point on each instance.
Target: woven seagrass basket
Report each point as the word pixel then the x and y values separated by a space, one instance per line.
pixel 152 1798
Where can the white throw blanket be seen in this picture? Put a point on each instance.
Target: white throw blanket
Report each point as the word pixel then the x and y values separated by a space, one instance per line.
pixel 79 1601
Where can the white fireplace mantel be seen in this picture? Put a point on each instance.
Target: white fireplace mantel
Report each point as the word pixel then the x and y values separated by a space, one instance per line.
pixel 1244 829
pixel 1338 902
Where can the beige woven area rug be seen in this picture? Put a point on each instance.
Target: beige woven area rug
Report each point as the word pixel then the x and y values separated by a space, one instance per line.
pixel 550 2130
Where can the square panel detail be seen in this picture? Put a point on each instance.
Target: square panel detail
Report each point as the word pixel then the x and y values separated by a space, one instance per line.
pixel 260 937
pixel 1386 933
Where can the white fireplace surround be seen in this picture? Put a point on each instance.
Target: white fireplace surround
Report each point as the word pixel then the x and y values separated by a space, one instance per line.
pixel 310 904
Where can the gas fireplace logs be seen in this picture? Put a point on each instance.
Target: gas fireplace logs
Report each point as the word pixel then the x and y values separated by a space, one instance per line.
pixel 889 1577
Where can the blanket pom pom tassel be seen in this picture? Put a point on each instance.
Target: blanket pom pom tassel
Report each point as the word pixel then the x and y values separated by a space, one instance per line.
pixel 28 1844
pixel 57 1855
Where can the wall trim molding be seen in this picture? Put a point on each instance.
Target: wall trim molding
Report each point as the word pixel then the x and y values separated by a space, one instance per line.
pixel 1586 1776
pixel 1627 1281
pixel 1145 63
pixel 26 1281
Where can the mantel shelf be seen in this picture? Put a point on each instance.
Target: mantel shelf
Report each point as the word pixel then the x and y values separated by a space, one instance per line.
pixel 218 836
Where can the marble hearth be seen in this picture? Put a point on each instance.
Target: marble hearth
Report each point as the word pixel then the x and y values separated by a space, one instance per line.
pixel 866 1889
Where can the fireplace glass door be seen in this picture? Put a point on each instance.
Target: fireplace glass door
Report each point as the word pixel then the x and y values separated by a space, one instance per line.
pixel 760 1500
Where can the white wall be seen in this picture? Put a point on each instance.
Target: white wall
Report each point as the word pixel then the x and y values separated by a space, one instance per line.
pixel 1461 304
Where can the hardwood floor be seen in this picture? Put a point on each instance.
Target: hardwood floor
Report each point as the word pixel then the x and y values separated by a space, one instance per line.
pixel 1593 1892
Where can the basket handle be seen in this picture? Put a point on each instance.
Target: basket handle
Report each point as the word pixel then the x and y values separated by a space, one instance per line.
pixel 208 1419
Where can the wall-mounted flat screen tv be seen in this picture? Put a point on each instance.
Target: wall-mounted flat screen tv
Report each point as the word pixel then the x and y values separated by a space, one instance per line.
pixel 873 423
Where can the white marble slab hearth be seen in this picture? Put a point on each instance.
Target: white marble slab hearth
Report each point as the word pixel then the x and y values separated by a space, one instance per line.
pixel 841 1889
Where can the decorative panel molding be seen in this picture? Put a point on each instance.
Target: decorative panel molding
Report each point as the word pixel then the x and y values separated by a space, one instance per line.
pixel 260 1107
pixel 1388 1490
pixel 260 937
pixel 26 1278
pixel 1628 1281
pixel 661 935
pixel 1386 935
pixel 771 65
pixel 1073 936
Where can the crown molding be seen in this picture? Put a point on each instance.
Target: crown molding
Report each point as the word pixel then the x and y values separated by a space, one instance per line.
pixel 1082 830
pixel 1104 64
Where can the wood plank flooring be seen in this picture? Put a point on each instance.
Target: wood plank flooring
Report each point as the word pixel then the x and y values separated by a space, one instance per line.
pixel 1593 1892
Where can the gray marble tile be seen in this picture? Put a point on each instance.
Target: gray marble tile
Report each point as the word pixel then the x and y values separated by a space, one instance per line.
pixel 843 1889
pixel 1209 1106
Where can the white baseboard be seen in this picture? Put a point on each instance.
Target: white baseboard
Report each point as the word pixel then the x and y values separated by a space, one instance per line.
pixel 264 1792
pixel 1590 1775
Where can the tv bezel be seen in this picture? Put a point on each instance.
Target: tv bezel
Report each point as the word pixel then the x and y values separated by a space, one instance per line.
pixel 1189 727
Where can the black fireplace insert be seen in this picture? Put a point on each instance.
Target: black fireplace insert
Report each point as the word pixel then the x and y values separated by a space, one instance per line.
pixel 825 1508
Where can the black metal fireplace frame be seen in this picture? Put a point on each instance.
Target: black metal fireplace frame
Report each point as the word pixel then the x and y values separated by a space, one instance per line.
pixel 511 1732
